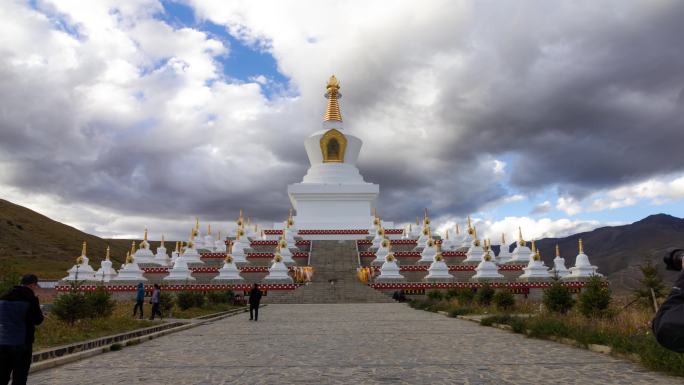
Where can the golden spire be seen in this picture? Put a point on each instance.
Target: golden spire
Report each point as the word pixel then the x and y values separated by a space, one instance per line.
pixel 470 224
pixel 162 241
pixel 417 221
pixel 107 253
pixel 177 247
pixel 133 247
pixel 145 236
pixel 534 247
pixel 197 223
pixel 332 111
pixel 521 241
pixel 83 249
pixel 219 235
pixel 410 229
pixel 503 238
pixel 557 251
pixel 129 258
pixel 240 221
pixel 581 246
pixel 458 231
pixel 447 234
pixel 209 229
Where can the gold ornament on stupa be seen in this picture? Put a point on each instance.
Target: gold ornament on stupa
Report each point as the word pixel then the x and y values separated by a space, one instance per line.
pixel 470 226
pixel 557 251
pixel 476 241
pixel 162 241
pixel 426 217
pixel 107 253
pixel 240 221
pixel 521 241
pixel 129 258
pixel 535 251
pixel 332 110
pixel 581 246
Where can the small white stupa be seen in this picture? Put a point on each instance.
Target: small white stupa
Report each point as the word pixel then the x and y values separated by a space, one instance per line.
pixel 447 243
pixel 382 252
pixel 220 244
pixel 239 246
pixel 475 251
pixel 176 253
pixel 467 240
pixel 379 236
pixel 197 239
pixel 106 272
pixel 559 268
pixel 285 252
pixel 521 253
pixel 535 270
pixel 130 271
pixel 427 256
pixel 389 271
pixel 180 270
pixel 229 271
pixel 144 254
pixel 250 231
pixel 278 272
pixel 240 225
pixel 415 231
pixel 583 268
pixel 504 251
pixel 289 238
pixel 458 238
pixel 161 257
pixel 190 254
pixel 81 271
pixel 487 270
pixel 438 271
pixel 208 243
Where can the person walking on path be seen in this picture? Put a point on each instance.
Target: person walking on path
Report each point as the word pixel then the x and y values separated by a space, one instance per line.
pixel 19 314
pixel 156 294
pixel 254 298
pixel 139 300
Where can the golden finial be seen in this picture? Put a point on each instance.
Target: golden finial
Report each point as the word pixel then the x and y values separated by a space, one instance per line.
pixel 219 235
pixel 410 229
pixel 107 253
pixel 426 219
pixel 162 241
pixel 417 221
pixel 145 235
pixel 209 229
pixel 476 241
pixel 557 251
pixel 240 221
pixel 197 223
pixel 534 247
pixel 83 249
pixel 79 260
pixel 129 258
pixel 457 230
pixel 521 241
pixel 438 245
pixel 447 234
pixel 133 247
pixel 503 239
pixel 470 224
pixel 581 246
pixel 332 111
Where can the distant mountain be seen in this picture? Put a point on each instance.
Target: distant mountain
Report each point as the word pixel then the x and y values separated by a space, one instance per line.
pixel 619 250
pixel 31 242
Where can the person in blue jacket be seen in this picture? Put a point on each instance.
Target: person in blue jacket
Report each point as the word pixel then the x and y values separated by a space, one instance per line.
pixel 139 300
pixel 19 314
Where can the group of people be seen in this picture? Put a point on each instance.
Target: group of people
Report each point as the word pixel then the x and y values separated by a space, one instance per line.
pixel 365 274
pixel 155 301
pixel 303 274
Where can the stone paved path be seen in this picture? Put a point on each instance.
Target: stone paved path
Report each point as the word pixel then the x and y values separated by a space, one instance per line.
pixel 346 344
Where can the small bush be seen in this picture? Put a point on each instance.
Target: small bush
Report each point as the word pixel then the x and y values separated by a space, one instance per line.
pixel 99 303
pixel 594 299
pixel 420 304
pixel 558 298
pixel 8 279
pixel 504 300
pixel 465 296
pixel 220 297
pixel 457 311
pixel 451 293
pixel 187 299
pixel 484 295
pixel 166 301
pixel 70 307
pixel 436 295
pixel 115 347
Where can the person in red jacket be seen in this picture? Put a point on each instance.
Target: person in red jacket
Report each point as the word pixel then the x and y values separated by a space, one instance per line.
pixel 19 314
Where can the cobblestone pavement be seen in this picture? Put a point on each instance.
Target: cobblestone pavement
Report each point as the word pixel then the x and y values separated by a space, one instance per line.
pixel 345 344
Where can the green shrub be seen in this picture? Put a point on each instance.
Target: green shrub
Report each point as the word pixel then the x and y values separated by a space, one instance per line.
pixel 465 296
pixel 558 298
pixel 99 303
pixel 70 307
pixel 504 300
pixel 220 297
pixel 594 299
pixel 451 293
pixel 187 299
pixel 543 327
pixel 457 311
pixel 650 284
pixel 420 304
pixel 166 301
pixel 8 279
pixel 484 295
pixel 436 295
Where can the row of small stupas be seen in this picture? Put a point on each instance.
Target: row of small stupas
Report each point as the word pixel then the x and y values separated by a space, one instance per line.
pixel 476 252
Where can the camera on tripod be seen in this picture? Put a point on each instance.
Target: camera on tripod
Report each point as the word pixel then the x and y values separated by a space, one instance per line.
pixel 673 259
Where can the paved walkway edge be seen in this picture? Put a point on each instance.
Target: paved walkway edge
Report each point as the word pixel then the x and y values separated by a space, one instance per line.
pixel 51 363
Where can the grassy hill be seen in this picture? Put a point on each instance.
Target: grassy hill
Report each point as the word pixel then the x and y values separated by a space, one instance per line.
pixel 31 242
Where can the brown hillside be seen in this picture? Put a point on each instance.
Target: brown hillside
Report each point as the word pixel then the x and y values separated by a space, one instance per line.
pixel 31 242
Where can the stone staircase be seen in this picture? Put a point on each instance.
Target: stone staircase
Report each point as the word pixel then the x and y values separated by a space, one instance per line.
pixel 334 279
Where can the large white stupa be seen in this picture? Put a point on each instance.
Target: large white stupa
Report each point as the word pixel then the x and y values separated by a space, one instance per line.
pixel 333 194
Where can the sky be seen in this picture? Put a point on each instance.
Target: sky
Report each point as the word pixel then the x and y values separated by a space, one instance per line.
pixel 558 117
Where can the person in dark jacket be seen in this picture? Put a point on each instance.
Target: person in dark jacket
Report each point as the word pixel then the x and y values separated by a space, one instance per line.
pixel 19 314
pixel 139 300
pixel 156 297
pixel 668 324
pixel 254 298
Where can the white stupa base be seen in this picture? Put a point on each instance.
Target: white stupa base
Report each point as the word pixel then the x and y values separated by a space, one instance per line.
pixel 333 198
pixel 380 255
pixel 439 272
pixel 161 257
pixel 521 254
pixel 130 272
pixel 427 256
pixel 448 244
pixel 389 271
pixel 504 255
pixel 220 247
pixel 581 273
pixel 83 272
pixel 278 273
pixel 190 255
pixel 422 241
pixel 105 273
pixel 229 272
pixel 486 271
pixel 287 257
pixel 180 271
pixel 474 254
pixel 535 271
pixel 559 268
pixel 144 256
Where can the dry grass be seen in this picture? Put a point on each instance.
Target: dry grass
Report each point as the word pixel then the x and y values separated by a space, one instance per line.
pixel 194 312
